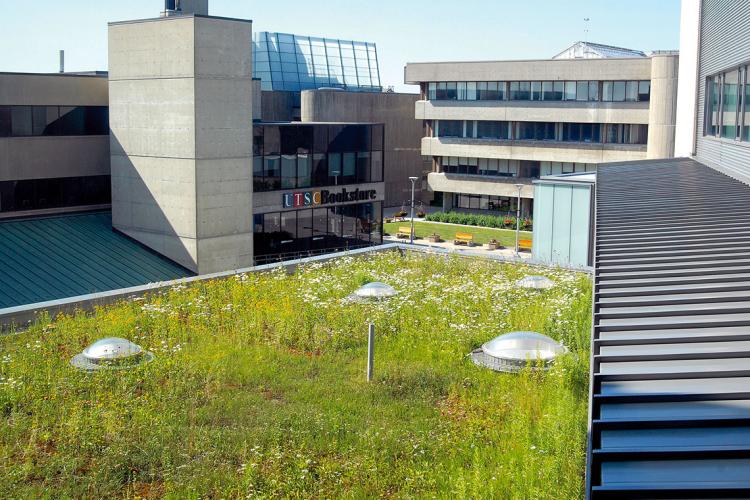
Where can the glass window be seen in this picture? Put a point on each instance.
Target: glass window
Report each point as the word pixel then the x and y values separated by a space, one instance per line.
pixel 451 91
pixel 525 131
pixel 524 91
pixel 288 230
pixel 441 91
pixel 582 91
pixel 350 168
pixel 559 90
pixel 461 91
pixel 471 91
pixel 319 169
pixel 363 167
pixel 570 91
pixel 5 127
pixel 304 171
pixel 288 171
pixel 432 91
pixel 492 130
pixel 644 90
pixel 613 133
pixel 590 132
pixel 746 101
pixel 536 91
pixel 304 226
pixel 713 105
pixel 271 140
pixel 272 172
pixel 514 88
pixel 607 91
pixel 334 168
pixel 258 184
pixel 376 166
pixel 492 92
pixel 572 132
pixel 631 91
pixel 450 128
pixel 618 94
pixel 547 91
pixel 501 93
pixel 729 105
pixel 593 91
pixel 21 121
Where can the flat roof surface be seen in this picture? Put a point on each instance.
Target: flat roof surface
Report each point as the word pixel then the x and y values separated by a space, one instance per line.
pixel 670 372
pixel 69 255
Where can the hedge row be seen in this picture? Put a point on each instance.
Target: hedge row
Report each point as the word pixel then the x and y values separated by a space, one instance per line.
pixel 498 221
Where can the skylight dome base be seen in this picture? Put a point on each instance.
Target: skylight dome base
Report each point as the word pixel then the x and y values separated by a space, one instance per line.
pixel 373 291
pixel 111 353
pixel 535 282
pixel 515 351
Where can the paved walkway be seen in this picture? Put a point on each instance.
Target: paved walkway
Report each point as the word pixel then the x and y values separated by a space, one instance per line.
pixel 478 249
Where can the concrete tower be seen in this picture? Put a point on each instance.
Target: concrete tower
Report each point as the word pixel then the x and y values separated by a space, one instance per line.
pixel 181 118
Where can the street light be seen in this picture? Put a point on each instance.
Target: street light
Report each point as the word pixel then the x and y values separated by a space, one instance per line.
pixel 372 292
pixel 413 180
pixel 518 216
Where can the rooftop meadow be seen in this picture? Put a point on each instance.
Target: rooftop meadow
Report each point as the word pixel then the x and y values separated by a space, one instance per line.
pixel 258 389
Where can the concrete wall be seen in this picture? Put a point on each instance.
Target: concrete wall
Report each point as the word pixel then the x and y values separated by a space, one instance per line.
pixel 277 106
pixel 535 111
pixel 52 90
pixel 533 150
pixel 546 69
pixel 52 157
pixel 663 106
pixel 181 138
pixel 687 98
pixel 476 184
pixel 402 155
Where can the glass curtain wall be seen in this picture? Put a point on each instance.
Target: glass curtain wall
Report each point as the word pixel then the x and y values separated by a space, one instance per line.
pixel 294 62
pixel 583 90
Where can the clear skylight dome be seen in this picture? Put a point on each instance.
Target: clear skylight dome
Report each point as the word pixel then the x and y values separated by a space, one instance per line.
pixel 111 353
pixel 374 291
pixel 512 351
pixel 536 282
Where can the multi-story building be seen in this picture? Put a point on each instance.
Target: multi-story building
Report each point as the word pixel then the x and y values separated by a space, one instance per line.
pixel 490 126
pixel 54 143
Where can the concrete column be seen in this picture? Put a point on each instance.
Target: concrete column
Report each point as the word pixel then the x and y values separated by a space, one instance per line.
pixel 663 106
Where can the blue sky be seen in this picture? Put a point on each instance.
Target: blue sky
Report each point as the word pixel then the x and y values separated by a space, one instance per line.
pixel 31 32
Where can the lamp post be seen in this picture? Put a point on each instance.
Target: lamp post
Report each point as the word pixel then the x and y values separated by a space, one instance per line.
pixel 518 216
pixel 413 180
pixel 372 292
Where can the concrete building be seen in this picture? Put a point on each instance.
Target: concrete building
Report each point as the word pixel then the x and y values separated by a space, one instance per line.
pixel 181 95
pixel 491 125
pixel 54 143
pixel 403 156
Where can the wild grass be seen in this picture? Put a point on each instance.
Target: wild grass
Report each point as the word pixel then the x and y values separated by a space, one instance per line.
pixel 258 389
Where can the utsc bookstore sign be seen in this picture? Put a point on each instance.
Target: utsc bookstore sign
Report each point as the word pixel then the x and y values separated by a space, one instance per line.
pixel 316 198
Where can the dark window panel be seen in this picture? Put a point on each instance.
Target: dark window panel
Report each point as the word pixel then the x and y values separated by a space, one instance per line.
pixel 5 126
pixel 21 121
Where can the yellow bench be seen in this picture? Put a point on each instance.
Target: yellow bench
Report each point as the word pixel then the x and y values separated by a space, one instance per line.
pixel 464 238
pixel 403 232
pixel 524 245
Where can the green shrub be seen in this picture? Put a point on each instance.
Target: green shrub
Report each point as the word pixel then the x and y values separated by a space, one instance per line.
pixel 465 219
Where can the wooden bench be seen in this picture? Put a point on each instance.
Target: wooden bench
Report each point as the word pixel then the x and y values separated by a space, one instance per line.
pixel 464 239
pixel 403 232
pixel 524 245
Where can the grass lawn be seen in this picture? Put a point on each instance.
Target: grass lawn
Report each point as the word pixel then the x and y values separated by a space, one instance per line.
pixel 258 389
pixel 447 232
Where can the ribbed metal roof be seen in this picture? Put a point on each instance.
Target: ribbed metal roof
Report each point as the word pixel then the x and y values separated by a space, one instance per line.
pixel 670 401
pixel 64 256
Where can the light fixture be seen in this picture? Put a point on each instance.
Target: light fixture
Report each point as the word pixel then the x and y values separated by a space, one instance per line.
pixel 513 351
pixel 536 282
pixel 111 353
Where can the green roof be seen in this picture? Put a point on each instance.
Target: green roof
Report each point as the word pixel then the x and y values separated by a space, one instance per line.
pixel 64 256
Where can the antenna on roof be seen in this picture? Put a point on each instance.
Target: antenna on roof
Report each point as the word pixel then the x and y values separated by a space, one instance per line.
pixel 586 29
pixel 62 61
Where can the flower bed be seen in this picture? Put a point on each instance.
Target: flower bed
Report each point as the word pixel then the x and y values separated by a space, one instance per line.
pixel 258 389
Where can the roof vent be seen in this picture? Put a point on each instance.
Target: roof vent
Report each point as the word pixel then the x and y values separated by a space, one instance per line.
pixel 513 351
pixel 536 282
pixel 111 353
